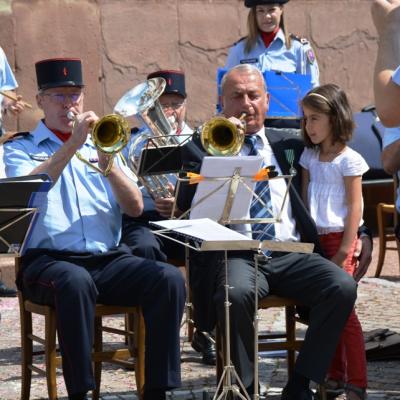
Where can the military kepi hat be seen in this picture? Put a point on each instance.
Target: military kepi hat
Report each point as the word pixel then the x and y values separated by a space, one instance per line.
pixel 253 3
pixel 175 81
pixel 59 72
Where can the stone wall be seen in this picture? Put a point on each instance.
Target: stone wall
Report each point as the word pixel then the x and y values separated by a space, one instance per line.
pixel 120 41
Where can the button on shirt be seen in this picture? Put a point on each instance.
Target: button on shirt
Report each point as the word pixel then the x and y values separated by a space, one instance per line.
pixel 285 230
pixel 80 212
pixel 276 57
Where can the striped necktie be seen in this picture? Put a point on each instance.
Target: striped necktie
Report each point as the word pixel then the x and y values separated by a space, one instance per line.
pixel 257 210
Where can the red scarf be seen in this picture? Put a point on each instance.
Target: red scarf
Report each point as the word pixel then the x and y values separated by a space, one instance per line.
pixel 61 135
pixel 268 37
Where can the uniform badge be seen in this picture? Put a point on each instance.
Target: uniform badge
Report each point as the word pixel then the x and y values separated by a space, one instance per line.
pixel 249 61
pixel 39 157
pixel 310 56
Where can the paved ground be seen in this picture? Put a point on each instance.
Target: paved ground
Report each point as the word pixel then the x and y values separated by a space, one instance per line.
pixel 378 307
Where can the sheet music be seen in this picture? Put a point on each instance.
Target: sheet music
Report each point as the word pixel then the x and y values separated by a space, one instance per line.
pixel 203 229
pixel 213 205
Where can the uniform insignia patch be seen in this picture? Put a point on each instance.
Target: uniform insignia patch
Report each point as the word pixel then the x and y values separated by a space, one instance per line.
pixel 310 56
pixel 249 61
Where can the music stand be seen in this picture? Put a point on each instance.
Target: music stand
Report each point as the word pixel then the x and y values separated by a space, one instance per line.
pixel 227 216
pixel 19 201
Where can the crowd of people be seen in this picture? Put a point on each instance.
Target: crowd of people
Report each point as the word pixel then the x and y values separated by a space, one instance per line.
pixel 92 242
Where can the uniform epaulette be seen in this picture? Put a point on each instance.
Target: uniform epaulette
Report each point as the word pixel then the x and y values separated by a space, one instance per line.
pixel 240 40
pixel 302 40
pixel 10 136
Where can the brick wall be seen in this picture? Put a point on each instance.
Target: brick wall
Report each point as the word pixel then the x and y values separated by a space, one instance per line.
pixel 120 41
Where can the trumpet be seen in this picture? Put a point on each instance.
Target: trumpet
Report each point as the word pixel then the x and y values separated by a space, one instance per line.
pixel 110 134
pixel 221 137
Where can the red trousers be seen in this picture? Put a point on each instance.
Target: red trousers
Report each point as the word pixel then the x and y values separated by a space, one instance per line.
pixel 349 364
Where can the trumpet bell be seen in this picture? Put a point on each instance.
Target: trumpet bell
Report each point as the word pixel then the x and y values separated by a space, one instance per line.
pixel 220 137
pixel 110 134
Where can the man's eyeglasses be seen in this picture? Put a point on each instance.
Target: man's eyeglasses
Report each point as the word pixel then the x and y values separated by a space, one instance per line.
pixel 62 98
pixel 173 105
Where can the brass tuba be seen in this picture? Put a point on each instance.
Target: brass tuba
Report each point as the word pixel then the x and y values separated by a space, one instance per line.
pixel 221 137
pixel 147 109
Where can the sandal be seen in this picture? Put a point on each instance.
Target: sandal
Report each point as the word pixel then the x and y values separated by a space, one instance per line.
pixel 333 388
pixel 355 392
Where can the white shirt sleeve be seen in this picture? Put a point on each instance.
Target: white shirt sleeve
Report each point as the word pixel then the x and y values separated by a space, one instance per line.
pixel 305 158
pixel 354 165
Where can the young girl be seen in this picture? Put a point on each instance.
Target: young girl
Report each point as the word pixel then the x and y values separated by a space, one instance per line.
pixel 332 190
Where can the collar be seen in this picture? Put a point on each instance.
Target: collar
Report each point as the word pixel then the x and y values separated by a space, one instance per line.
pixel 42 133
pixel 280 36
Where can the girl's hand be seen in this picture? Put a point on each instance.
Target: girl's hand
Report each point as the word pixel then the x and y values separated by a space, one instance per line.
pixel 339 259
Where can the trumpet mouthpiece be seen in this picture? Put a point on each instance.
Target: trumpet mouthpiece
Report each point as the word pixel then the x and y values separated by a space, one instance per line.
pixel 70 115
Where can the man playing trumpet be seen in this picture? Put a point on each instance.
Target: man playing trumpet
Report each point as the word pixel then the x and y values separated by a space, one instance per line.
pixel 73 259
pixel 308 278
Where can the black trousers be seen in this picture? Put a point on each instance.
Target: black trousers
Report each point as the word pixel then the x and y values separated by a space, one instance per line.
pixel 322 286
pixel 137 234
pixel 74 282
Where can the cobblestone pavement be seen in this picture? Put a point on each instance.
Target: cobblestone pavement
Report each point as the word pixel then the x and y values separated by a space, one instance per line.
pixel 378 307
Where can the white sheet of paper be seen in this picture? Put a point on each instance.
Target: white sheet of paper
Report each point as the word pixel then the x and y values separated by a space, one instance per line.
pixel 212 167
pixel 203 229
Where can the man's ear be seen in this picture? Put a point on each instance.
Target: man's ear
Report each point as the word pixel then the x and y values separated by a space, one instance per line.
pixel 39 100
pixel 267 100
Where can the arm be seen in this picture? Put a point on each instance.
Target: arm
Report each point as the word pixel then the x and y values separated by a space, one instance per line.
pixel 354 213
pixel 126 192
pixel 391 157
pixel 386 16
pixel 305 180
pixel 55 165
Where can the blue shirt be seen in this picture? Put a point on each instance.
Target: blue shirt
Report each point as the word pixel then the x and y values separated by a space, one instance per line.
pixel 299 58
pixel 80 212
pixel 7 79
pixel 390 136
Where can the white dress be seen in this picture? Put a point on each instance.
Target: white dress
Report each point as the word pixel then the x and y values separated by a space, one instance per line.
pixel 326 190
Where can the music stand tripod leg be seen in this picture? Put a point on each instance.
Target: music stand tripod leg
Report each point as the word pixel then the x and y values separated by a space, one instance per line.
pixel 257 258
pixel 229 370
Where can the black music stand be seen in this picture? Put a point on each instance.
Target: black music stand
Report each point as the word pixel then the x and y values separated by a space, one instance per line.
pixel 19 201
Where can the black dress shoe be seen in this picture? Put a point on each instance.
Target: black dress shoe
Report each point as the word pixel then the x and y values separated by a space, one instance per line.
pixel 204 345
pixel 305 394
pixel 6 291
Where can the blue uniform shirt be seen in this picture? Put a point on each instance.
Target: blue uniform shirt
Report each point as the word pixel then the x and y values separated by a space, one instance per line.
pixel 299 58
pixel 7 79
pixel 80 212
pixel 396 76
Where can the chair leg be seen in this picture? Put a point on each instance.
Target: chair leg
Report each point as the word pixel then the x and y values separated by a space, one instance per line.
pixel 50 354
pixel 98 347
pixel 381 257
pixel 140 345
pixel 26 352
pixel 291 338
pixel 382 241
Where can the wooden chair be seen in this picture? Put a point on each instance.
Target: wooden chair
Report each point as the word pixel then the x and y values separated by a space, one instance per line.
pixel 387 218
pixel 286 341
pixel 131 356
